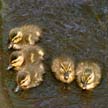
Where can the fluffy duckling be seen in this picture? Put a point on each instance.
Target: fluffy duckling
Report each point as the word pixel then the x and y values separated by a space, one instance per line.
pixel 27 34
pixel 88 75
pixel 63 68
pixel 30 76
pixel 28 55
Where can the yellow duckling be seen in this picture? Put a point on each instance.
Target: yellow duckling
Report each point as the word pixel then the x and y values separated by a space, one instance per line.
pixel 30 76
pixel 63 68
pixel 88 75
pixel 28 55
pixel 27 34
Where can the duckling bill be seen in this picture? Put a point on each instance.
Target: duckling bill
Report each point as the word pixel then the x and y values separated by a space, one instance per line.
pixel 16 60
pixel 88 75
pixel 63 69
pixel 27 34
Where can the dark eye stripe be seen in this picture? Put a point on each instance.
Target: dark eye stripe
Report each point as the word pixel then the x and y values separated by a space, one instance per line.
pixel 89 78
pixel 15 38
pixel 13 35
pixel 85 79
pixel 16 60
pixel 13 62
pixel 63 67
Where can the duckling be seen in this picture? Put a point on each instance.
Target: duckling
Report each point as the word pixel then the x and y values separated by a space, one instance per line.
pixel 27 34
pixel 29 54
pixel 63 68
pixel 88 75
pixel 30 76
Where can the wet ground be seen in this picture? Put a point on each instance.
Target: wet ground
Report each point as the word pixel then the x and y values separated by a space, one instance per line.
pixel 75 27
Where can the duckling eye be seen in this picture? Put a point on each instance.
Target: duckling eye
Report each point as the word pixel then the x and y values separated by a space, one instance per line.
pixel 89 79
pixel 16 58
pixel 23 81
pixel 63 69
pixel 22 78
pixel 17 37
pixel 13 35
pixel 13 58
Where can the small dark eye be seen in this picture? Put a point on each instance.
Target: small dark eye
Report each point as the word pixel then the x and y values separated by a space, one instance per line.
pixel 14 57
pixel 89 77
pixel 13 35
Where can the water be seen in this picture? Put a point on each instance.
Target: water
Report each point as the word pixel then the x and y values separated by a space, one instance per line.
pixel 75 27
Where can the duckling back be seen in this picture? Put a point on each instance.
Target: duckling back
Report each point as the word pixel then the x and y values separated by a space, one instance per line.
pixel 32 33
pixel 36 72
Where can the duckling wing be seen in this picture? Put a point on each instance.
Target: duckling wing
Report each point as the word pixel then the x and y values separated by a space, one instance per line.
pixel 36 72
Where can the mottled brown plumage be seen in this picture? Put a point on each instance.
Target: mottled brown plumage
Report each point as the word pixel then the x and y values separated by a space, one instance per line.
pixel 30 76
pixel 63 69
pixel 88 75
pixel 24 35
pixel 28 55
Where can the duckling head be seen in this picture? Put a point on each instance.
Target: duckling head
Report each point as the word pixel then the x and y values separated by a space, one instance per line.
pixel 23 80
pixel 63 70
pixel 66 73
pixel 15 36
pixel 87 79
pixel 16 60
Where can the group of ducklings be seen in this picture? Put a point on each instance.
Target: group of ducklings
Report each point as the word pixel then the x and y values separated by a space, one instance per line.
pixel 27 60
pixel 27 57
pixel 87 73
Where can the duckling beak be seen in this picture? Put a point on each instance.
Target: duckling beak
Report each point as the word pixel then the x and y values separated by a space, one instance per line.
pixel 9 67
pixel 10 45
pixel 66 75
pixel 17 89
pixel 84 86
